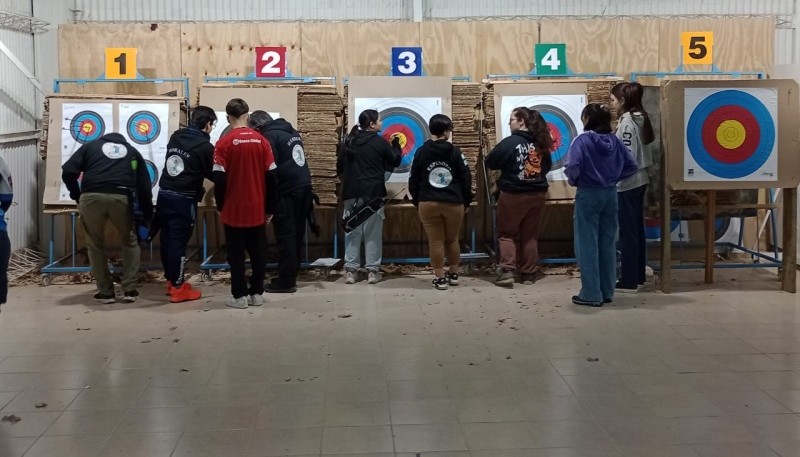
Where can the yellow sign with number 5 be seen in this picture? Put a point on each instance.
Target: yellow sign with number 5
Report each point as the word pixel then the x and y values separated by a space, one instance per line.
pixel 697 48
pixel 121 63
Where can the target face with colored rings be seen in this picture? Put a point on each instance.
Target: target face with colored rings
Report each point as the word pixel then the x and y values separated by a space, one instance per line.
pixel 87 126
pixel 410 127
pixel 562 129
pixel 143 127
pixel 731 134
pixel 152 170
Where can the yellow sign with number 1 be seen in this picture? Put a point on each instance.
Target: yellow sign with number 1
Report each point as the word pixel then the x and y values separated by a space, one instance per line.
pixel 697 48
pixel 121 63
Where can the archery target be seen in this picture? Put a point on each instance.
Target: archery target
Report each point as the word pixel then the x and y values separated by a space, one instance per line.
pixel 730 135
pixel 87 126
pixel 406 118
pixel 143 127
pixel 563 116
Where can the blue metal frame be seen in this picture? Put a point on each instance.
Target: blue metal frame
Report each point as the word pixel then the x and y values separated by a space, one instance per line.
pixel 289 78
pixel 55 266
pixel 139 79
pixel 679 72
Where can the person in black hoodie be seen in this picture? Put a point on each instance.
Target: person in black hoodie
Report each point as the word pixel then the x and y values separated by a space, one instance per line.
pixel 114 175
pixel 189 160
pixel 294 200
pixel 524 161
pixel 362 166
pixel 441 187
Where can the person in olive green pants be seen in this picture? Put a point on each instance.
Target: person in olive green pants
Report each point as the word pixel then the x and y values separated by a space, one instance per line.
pixel 107 177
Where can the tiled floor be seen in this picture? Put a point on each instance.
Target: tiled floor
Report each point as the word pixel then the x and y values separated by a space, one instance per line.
pixel 476 371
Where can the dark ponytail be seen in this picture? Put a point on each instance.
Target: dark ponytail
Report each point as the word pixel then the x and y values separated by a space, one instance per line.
pixel 537 127
pixel 367 117
pixel 631 95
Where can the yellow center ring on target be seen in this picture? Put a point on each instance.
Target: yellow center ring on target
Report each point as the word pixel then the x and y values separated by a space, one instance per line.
pixel 731 134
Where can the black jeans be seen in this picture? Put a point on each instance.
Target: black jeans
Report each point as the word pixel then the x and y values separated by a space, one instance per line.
pixel 5 256
pixel 632 243
pixel 176 214
pixel 254 241
pixel 290 229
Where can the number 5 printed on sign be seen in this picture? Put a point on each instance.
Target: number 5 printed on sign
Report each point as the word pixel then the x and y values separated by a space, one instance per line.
pixel 697 48
pixel 270 62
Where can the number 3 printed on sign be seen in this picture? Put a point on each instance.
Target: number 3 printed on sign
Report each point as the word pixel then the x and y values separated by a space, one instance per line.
pixel 270 62
pixel 407 61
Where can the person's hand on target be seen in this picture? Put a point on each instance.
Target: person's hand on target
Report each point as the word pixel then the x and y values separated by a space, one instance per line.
pixel 396 141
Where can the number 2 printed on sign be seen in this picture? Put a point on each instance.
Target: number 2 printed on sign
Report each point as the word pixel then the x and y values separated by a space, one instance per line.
pixel 270 62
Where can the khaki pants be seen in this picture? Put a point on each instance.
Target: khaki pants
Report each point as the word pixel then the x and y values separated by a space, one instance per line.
pixel 442 222
pixel 95 211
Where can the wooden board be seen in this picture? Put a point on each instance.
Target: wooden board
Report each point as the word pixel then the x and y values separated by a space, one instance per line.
pixel 353 49
pixel 788 134
pixel 82 55
pixel 52 186
pixel 483 47
pixel 740 44
pixel 228 49
pixel 606 45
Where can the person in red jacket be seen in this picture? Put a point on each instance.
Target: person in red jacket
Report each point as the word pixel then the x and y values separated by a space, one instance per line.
pixel 246 191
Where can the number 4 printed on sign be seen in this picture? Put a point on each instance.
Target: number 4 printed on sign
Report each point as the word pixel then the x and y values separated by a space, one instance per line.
pixel 551 58
pixel 270 62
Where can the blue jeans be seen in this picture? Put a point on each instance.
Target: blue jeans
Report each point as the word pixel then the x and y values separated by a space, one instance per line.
pixel 595 230
pixel 371 232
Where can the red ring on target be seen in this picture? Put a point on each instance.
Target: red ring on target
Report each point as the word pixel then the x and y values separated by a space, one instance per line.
pixel 751 132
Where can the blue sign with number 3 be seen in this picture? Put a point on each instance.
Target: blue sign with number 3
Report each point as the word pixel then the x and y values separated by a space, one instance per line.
pixel 406 61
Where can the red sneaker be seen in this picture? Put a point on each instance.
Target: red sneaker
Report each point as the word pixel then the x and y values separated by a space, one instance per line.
pixel 184 293
pixel 170 288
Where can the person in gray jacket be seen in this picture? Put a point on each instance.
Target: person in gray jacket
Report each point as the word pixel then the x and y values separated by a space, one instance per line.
pixel 636 132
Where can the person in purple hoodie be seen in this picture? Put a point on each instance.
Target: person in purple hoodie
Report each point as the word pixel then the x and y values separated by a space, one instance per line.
pixel 596 161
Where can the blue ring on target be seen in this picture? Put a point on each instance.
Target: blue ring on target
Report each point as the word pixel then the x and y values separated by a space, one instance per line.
pixel 135 134
pixel 562 122
pixel 152 170
pixel 694 134
pixel 399 116
pixel 75 126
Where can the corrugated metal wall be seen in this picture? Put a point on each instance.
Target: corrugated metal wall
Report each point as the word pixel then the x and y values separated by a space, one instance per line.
pixel 18 113
pixel 241 10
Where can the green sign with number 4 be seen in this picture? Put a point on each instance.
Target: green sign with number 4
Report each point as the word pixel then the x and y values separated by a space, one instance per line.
pixel 551 58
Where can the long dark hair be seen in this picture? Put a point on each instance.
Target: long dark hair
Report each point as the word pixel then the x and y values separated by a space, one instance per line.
pixel 631 95
pixel 597 118
pixel 367 117
pixel 536 126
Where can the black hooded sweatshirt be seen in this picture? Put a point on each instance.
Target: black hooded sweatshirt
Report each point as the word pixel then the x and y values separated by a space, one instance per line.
pixel 190 158
pixel 290 155
pixel 110 166
pixel 522 167
pixel 363 163
pixel 439 173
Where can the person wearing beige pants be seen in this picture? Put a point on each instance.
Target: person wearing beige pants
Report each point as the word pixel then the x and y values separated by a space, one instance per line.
pixel 441 187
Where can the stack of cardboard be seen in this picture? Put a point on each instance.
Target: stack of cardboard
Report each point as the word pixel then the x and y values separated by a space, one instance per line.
pixel 466 117
pixel 45 129
pixel 319 115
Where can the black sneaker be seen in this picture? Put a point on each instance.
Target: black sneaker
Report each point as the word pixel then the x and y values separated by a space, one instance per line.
pixel 440 283
pixel 274 288
pixel 130 296
pixel 579 301
pixel 105 298
pixel 452 278
pixel 625 289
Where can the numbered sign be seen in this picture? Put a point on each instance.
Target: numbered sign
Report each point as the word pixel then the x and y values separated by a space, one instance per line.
pixel 270 62
pixel 121 63
pixel 697 48
pixel 406 61
pixel 551 58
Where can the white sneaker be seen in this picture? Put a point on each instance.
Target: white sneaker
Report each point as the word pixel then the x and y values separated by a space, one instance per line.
pixel 256 300
pixel 374 277
pixel 350 277
pixel 239 303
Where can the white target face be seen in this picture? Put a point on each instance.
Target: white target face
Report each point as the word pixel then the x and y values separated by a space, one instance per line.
pixel 563 116
pixel 146 127
pixel 80 124
pixel 222 126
